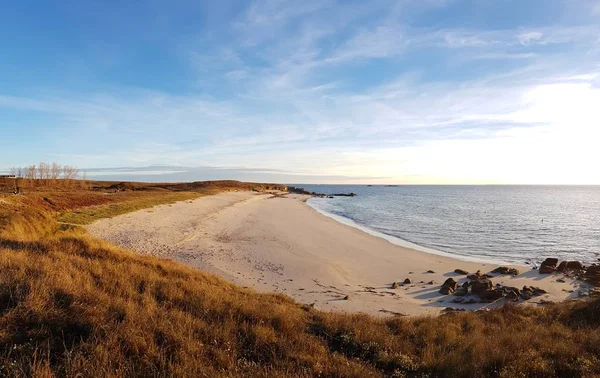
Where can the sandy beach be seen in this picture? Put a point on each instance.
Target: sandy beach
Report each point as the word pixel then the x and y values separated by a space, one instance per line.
pixel 277 243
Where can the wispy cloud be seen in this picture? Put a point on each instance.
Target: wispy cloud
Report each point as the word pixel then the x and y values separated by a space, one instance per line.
pixel 343 90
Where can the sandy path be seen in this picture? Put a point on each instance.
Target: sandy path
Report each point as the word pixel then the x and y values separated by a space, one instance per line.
pixel 281 244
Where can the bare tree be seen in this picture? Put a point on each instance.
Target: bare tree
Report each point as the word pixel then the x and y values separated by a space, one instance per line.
pixel 44 173
pixel 70 174
pixel 31 174
pixel 55 170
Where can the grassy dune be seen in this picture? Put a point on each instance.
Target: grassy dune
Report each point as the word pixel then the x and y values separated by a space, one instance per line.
pixel 72 306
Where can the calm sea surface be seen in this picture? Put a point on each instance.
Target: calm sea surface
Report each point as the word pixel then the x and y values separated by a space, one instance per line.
pixel 515 224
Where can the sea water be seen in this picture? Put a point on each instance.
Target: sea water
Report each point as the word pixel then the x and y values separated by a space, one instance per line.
pixel 513 224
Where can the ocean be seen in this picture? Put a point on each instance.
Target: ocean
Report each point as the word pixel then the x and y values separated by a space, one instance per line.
pixel 512 224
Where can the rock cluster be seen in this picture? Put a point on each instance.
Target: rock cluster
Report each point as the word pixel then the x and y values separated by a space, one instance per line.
pixel 548 266
pixel 480 285
pixel 449 286
pixel 506 270
pixel 591 274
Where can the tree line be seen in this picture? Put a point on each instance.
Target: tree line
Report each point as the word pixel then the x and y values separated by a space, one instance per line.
pixel 49 174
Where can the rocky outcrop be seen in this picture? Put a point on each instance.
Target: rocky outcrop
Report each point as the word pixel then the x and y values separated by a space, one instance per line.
pixel 407 281
pixel 292 189
pixel 449 287
pixel 491 295
pixel 506 270
pixel 570 266
pixel 475 275
pixel 529 292
pixel 592 275
pixel 574 269
pixel 548 266
pixel 480 285
pixel 461 271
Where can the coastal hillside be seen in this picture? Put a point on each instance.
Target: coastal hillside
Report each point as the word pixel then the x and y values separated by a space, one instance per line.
pixel 72 305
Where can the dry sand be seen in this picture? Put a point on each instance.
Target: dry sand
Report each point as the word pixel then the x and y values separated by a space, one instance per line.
pixel 279 243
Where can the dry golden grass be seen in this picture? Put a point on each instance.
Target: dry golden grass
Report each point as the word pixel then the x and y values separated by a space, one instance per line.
pixel 72 306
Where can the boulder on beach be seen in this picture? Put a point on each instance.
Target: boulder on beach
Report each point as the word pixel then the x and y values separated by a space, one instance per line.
pixel 491 295
pixel 592 275
pixel 475 275
pixel 506 270
pixel 395 285
pixel 461 271
pixel 449 286
pixel 529 292
pixel 481 285
pixel 461 291
pixel 548 266
pixel 407 281
pixel 451 282
pixel 570 265
pixel 446 290
pixel 513 295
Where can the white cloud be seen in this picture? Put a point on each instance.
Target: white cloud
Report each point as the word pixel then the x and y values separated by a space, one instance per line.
pixel 529 37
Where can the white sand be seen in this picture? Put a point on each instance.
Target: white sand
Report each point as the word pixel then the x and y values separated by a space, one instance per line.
pixel 281 244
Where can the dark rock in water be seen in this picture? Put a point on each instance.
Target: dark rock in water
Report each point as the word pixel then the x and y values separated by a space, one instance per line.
pixel 395 285
pixel 458 300
pixel 344 194
pixel 470 301
pixel 430 271
pixel 461 271
pixel 506 270
pixel 292 189
pixel 407 281
pixel 481 285
pixel 330 197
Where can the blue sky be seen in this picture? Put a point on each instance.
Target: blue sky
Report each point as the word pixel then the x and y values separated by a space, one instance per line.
pixel 427 91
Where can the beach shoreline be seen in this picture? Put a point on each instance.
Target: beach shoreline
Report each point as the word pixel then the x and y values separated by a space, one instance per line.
pixel 407 244
pixel 278 243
